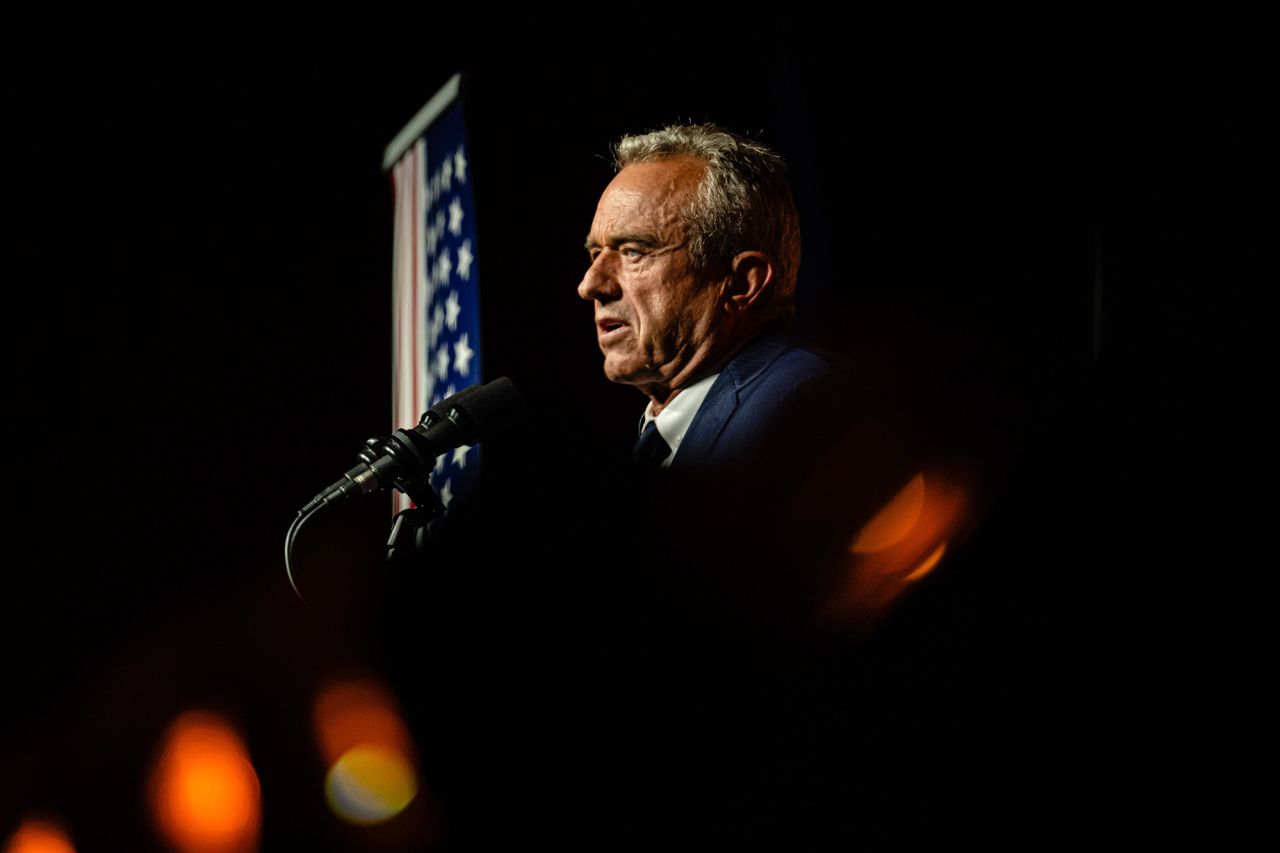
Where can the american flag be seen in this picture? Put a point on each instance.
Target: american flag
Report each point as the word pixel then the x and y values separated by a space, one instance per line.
pixel 436 288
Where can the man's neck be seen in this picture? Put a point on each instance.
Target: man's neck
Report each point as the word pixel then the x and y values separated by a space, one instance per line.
pixel 656 404
pixel 661 395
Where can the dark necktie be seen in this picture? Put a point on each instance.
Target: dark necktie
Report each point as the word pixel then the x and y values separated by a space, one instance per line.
pixel 651 449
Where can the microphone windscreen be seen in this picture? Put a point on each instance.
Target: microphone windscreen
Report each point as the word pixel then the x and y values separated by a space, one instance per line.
pixel 492 407
pixel 442 408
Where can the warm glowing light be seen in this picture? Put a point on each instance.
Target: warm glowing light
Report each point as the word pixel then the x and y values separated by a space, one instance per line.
pixel 359 711
pixel 370 784
pixel 901 543
pixel 929 562
pixel 204 791
pixel 371 776
pixel 892 523
pixel 39 836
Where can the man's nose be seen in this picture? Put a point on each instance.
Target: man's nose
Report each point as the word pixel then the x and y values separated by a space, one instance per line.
pixel 600 282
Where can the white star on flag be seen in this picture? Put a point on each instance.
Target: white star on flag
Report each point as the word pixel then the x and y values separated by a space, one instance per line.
pixel 446 493
pixel 440 222
pixel 455 217
pixel 433 192
pixel 444 268
pixel 437 322
pixel 439 467
pixel 460 165
pixel 462 353
pixel 442 362
pixel 464 260
pixel 452 310
pixel 446 174
pixel 460 455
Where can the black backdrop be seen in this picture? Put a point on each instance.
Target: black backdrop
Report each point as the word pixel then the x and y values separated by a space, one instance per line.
pixel 1035 213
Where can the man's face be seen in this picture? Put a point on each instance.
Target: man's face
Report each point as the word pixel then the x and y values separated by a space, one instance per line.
pixel 656 319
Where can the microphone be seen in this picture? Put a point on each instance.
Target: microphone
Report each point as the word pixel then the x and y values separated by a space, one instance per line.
pixel 405 458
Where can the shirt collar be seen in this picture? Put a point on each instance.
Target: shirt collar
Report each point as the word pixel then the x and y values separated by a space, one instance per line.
pixel 676 417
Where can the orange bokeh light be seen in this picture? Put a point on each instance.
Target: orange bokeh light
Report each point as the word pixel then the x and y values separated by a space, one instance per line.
pixel 900 544
pixel 891 524
pixel 927 566
pixel 39 836
pixel 359 712
pixel 368 750
pixel 205 795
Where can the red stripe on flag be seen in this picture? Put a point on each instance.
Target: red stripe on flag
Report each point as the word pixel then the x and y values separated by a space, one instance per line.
pixel 413 242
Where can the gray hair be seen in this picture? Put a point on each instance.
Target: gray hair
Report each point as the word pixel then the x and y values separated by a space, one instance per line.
pixel 742 204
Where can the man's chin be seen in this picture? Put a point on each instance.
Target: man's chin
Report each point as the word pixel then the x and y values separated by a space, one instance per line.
pixel 623 374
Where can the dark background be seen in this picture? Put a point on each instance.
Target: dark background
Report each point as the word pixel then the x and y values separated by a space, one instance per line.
pixel 1033 223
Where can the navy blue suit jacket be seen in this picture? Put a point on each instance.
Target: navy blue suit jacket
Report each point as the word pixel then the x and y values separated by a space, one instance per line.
pixel 748 400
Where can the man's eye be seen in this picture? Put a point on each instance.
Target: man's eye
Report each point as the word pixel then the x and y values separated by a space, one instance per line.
pixel 630 252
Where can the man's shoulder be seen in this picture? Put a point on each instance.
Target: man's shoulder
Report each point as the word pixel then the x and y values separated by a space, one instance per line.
pixel 753 396
pixel 777 365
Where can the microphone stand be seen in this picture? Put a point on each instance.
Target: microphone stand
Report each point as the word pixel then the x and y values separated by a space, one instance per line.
pixel 405 460
pixel 414 458
pixel 409 529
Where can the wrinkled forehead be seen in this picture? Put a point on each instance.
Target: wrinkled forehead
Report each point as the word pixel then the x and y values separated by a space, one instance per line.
pixel 677 175
pixel 650 196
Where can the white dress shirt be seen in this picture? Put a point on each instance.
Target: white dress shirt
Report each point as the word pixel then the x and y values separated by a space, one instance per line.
pixel 674 420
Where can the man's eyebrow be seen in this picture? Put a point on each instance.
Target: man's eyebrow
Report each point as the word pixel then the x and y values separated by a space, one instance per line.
pixel 618 239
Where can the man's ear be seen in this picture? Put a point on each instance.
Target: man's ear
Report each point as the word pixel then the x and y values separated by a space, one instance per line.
pixel 751 274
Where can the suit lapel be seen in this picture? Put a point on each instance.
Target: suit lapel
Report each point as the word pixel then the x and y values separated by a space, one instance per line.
pixel 723 398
